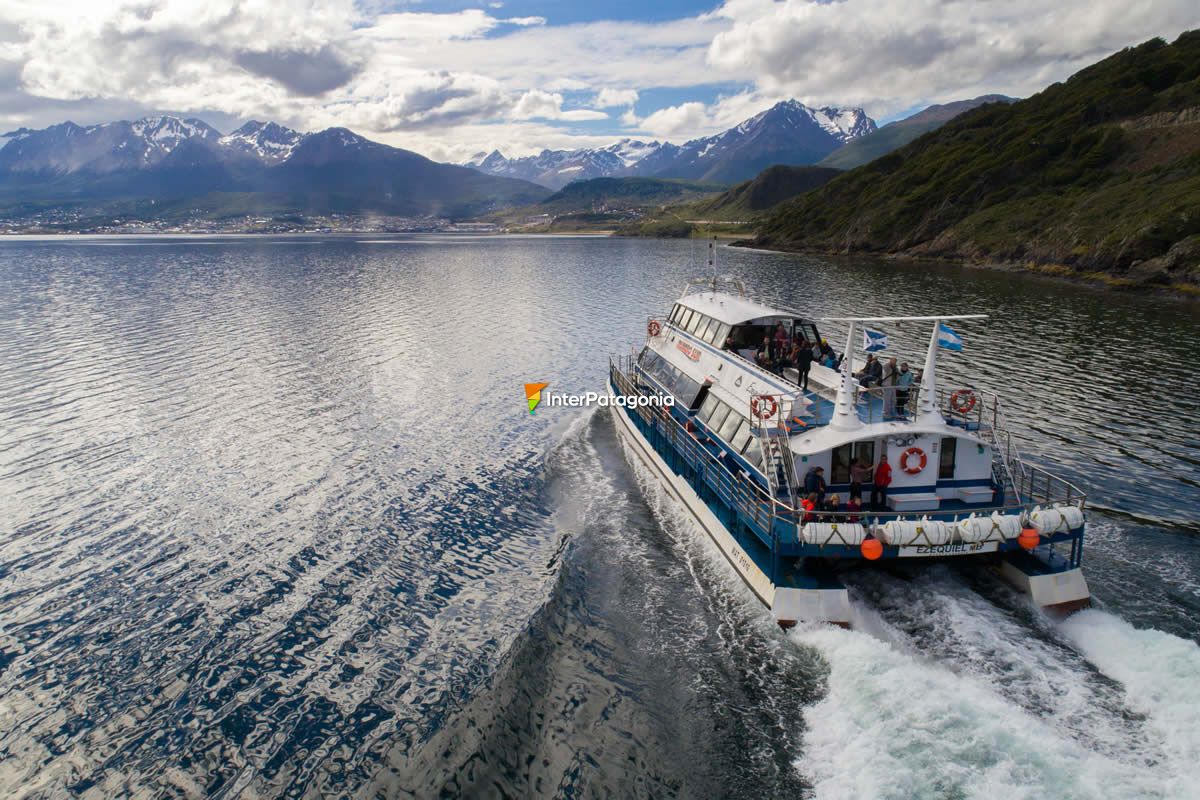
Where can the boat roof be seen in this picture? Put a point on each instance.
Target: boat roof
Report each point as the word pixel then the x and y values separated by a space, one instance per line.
pixel 729 308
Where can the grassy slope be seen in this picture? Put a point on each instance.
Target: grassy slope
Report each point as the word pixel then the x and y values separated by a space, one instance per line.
pixel 769 188
pixel 1100 173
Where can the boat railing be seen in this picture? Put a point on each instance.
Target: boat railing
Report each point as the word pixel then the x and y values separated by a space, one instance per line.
pixel 1033 485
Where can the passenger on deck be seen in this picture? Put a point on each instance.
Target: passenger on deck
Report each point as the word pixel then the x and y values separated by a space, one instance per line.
pixel 904 384
pixel 781 337
pixel 871 373
pixel 860 473
pixel 828 357
pixel 763 356
pixel 814 482
pixel 804 359
pixel 729 344
pixel 891 373
pixel 809 504
pixel 834 503
pixel 879 489
pixel 853 505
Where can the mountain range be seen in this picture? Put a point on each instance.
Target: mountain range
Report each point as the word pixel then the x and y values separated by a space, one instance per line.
pixel 871 146
pixel 787 133
pixel 165 167
pixel 1096 175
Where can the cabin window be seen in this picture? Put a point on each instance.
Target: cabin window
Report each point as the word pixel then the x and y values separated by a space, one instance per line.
pixel 721 334
pixel 839 471
pixel 649 359
pixel 685 389
pixel 718 418
pixel 698 319
pixel 684 317
pixel 714 331
pixel 753 453
pixel 701 397
pixel 947 450
pixel 864 452
pixel 710 405
pixel 739 440
pixel 702 330
pixel 729 428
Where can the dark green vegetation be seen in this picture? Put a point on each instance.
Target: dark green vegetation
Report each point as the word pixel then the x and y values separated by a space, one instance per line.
pixel 769 188
pixel 602 204
pixel 620 194
pixel 331 172
pixel 865 149
pixel 1100 174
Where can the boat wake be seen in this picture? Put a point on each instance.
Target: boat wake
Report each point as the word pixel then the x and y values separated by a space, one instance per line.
pixel 951 685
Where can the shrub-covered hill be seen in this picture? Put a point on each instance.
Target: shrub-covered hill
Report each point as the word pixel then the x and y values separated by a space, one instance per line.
pixel 1100 173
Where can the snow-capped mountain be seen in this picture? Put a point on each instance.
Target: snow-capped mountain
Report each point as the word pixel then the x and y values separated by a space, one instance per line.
pixel 139 144
pixel 787 133
pixel 557 168
pixel 167 165
pixel 266 141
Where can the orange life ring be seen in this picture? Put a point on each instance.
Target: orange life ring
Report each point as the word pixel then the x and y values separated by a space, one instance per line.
pixel 763 406
pixel 653 327
pixel 962 400
pixel 913 451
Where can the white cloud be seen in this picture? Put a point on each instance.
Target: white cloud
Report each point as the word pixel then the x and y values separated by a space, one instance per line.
pixel 614 98
pixel 892 54
pixel 537 104
pixel 425 79
pixel 684 118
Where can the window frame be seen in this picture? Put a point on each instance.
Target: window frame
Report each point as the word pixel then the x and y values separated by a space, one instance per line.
pixel 953 442
pixel 714 427
pixel 736 419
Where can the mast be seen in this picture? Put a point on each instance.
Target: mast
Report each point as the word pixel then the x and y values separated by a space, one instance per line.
pixel 927 407
pixel 845 416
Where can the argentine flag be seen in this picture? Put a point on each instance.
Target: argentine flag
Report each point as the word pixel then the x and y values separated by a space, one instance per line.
pixel 874 340
pixel 948 338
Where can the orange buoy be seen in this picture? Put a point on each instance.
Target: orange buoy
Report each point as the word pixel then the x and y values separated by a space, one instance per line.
pixel 871 548
pixel 1029 538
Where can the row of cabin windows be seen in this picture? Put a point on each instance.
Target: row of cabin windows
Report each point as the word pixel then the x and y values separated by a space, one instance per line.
pixel 682 387
pixel 700 325
pixel 848 454
pixel 730 426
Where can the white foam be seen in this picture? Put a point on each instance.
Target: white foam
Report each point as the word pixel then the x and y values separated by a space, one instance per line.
pixel 1161 677
pixel 893 725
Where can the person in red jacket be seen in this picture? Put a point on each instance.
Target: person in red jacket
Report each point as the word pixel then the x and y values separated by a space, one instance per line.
pixel 883 479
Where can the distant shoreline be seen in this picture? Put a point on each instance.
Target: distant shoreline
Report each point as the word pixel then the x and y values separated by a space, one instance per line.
pixel 1061 272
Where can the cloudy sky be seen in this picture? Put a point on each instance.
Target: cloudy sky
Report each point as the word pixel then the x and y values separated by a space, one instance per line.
pixel 449 79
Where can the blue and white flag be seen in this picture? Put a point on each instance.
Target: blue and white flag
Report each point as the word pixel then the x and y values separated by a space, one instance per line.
pixel 874 340
pixel 948 338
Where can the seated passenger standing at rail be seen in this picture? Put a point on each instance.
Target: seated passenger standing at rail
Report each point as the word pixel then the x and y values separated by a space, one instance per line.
pixel 879 489
pixel 853 505
pixel 904 384
pixel 834 503
pixel 763 356
pixel 809 504
pixel 871 373
pixel 804 359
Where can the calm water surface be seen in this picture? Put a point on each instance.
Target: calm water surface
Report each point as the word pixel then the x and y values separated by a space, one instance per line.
pixel 274 521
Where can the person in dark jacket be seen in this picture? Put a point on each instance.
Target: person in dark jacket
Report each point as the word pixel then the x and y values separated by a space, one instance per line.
pixel 804 359
pixel 814 483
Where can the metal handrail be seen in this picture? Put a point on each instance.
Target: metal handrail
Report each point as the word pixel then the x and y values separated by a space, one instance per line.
pixel 750 499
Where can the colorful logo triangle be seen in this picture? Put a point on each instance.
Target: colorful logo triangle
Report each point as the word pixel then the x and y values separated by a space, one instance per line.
pixel 533 394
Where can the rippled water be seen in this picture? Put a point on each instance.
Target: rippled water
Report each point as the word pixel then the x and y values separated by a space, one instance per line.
pixel 274 521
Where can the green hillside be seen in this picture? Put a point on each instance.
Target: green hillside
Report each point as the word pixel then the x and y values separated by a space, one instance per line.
pixel 769 188
pixel 1097 174
pixel 865 149
pixel 618 194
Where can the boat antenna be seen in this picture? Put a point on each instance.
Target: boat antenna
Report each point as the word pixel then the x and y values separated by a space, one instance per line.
pixel 712 263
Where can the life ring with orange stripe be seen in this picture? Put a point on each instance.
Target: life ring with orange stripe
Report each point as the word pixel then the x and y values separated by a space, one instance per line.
pixel 963 400
pixel 913 469
pixel 653 327
pixel 763 406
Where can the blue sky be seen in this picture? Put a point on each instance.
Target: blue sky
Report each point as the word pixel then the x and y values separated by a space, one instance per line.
pixel 449 79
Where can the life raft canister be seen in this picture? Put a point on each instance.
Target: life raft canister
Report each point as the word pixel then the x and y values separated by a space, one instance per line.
pixel 913 452
pixel 653 327
pixel 962 400
pixel 763 406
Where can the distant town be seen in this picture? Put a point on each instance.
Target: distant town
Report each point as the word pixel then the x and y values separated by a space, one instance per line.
pixel 65 221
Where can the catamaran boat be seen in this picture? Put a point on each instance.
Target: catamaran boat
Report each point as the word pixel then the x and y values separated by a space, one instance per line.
pixel 737 447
